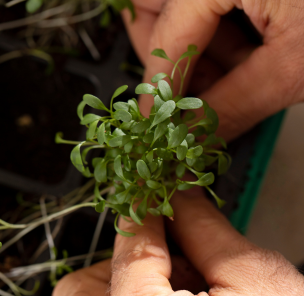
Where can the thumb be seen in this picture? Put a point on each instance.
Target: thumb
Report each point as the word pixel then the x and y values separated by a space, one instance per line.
pixel 254 90
pixel 179 24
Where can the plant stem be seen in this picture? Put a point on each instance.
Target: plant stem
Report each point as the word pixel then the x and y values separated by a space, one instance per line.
pixel 97 232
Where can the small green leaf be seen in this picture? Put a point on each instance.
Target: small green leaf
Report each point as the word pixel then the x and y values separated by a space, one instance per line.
pixel 127 125
pixel 128 147
pixel 220 202
pixel 119 5
pixel 152 166
pixel 158 77
pixel 184 186
pixel 121 197
pixel 191 161
pixel 181 150
pixel 121 232
pixel 126 162
pixel 145 88
pixel 153 184
pixel 101 134
pixel 148 138
pixel 77 159
pixel 105 19
pixel 211 140
pixel 119 141
pixel 118 132
pixel 192 47
pixel 159 170
pixel 165 90
pixel 141 149
pixel 199 164
pixel 222 164
pixel 118 168
pixel 141 210
pixel 178 136
pixel 211 114
pixel 200 130
pixel 164 112
pixel 149 156
pixel 121 209
pixel 143 169
pixel 80 108
pixel 134 105
pixel 91 132
pixel 180 170
pixel 190 139
pixel 33 5
pixel 189 103
pixel 164 153
pixel 194 152
pixel 122 115
pixel 88 118
pixel 166 209
pixel 154 212
pixel 58 138
pixel 100 207
pixel 189 116
pixel 94 102
pixel 160 130
pixel 121 106
pixel 209 159
pixel 119 91
pixel 100 172
pixel 205 180
pixel 141 126
pixel 158 102
pixel 158 52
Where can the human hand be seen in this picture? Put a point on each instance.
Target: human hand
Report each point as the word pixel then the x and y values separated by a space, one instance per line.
pixel 230 264
pixel 269 80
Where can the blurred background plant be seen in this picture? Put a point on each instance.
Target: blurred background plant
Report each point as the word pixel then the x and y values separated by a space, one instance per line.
pixel 61 26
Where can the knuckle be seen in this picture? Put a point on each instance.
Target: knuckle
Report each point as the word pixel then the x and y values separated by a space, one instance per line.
pixel 262 269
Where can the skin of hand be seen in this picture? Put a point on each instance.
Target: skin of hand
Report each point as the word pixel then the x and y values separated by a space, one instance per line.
pixel 262 82
pixel 230 264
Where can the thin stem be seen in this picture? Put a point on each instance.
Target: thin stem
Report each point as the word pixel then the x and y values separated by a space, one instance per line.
pixel 31 226
pixel 49 236
pixel 184 76
pixel 3 293
pixel 58 22
pixel 172 192
pixel 95 239
pixel 36 18
pixel 89 43
pixel 12 286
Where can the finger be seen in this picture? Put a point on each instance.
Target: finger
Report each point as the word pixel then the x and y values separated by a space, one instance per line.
pixel 85 282
pixel 141 264
pixel 254 90
pixel 140 29
pixel 204 234
pixel 179 24
pixel 230 264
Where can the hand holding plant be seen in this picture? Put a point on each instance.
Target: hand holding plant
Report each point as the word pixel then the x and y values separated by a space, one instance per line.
pixel 145 159
pixel 230 264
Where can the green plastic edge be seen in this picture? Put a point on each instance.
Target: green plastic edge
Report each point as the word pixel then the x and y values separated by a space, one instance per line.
pixel 263 149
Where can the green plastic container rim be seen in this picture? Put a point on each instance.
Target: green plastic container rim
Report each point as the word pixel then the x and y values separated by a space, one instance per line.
pixel 263 149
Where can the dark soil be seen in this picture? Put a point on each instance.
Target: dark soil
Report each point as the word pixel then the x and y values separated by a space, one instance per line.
pixel 34 106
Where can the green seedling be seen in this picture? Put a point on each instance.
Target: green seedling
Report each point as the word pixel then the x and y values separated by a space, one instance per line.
pixel 145 159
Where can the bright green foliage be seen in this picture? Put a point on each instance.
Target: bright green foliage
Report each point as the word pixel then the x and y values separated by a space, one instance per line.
pixel 146 159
